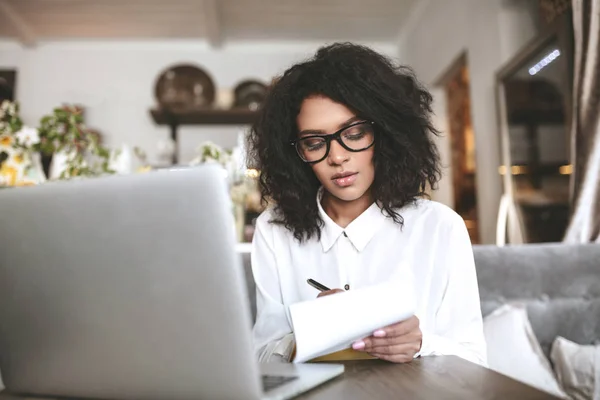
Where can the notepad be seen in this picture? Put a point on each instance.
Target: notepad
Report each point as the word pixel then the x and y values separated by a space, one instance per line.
pixel 344 355
pixel 326 328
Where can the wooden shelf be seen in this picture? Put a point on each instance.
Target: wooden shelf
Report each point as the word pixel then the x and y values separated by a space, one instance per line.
pixel 239 116
pixel 175 119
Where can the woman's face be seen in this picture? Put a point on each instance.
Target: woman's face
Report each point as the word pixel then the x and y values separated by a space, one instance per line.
pixel 344 174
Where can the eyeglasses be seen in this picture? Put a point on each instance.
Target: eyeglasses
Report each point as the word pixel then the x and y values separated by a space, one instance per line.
pixel 356 137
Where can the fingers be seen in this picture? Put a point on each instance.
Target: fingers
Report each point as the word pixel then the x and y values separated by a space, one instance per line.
pixel 401 353
pixel 395 343
pixel 400 329
pixel 373 344
pixel 411 349
pixel 330 292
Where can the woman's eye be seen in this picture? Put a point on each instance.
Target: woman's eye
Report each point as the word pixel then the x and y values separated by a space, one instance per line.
pixel 313 144
pixel 354 134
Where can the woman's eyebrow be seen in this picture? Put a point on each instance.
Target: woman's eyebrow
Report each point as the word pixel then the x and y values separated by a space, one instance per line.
pixel 308 132
pixel 350 121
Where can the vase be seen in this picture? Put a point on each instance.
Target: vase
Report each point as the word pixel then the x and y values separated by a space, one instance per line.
pixel 37 171
pixel 46 161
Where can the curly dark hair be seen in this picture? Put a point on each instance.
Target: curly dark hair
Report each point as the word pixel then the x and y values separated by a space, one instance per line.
pixel 369 84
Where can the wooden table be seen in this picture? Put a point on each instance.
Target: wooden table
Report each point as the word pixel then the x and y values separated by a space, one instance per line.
pixel 430 378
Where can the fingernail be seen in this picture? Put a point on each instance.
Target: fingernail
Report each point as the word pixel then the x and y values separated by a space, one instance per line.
pixel 358 345
pixel 379 333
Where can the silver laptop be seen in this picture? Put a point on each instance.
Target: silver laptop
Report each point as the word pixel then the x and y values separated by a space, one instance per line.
pixel 129 287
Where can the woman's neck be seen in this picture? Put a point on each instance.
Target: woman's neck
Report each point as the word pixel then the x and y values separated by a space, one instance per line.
pixel 344 212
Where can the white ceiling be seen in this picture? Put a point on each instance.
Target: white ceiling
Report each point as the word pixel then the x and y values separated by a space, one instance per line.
pixel 217 21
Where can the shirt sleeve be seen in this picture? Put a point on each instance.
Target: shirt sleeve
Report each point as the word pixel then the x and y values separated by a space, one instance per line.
pixel 458 321
pixel 272 332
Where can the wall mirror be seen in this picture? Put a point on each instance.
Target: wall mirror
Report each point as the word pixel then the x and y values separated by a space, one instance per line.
pixel 534 96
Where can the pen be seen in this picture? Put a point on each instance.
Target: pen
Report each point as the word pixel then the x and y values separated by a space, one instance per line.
pixel 317 285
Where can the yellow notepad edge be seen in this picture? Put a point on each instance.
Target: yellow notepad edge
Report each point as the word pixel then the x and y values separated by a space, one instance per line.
pixel 342 355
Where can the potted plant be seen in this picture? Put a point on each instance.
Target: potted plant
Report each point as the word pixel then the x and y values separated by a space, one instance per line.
pixel 62 136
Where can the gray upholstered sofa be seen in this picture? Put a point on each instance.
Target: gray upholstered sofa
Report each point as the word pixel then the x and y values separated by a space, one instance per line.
pixel 560 284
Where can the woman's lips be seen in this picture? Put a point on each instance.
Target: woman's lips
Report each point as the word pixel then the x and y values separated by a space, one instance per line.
pixel 345 180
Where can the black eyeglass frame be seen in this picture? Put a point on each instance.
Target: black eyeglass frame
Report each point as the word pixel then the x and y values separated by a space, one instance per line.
pixel 337 136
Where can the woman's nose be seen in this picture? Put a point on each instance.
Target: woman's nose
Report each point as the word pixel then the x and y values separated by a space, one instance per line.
pixel 337 154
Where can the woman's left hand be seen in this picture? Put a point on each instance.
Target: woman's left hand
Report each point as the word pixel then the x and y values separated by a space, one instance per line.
pixel 396 343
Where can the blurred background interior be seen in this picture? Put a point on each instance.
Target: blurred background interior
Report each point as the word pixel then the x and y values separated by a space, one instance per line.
pixel 91 87
pixel 179 82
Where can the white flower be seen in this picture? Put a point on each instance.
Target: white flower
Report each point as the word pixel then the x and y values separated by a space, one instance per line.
pixel 210 151
pixel 195 161
pixel 8 108
pixel 28 136
pixel 166 148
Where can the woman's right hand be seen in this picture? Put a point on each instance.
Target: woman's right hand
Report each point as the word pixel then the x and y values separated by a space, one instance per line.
pixel 329 292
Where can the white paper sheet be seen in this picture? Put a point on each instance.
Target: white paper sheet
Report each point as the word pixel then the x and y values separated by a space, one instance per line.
pixel 334 322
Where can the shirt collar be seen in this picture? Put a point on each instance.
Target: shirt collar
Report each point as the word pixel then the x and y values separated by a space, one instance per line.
pixel 360 231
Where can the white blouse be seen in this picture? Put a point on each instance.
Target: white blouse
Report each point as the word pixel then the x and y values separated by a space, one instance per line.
pixel 432 248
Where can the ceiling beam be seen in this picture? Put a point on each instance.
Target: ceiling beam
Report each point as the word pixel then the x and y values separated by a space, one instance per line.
pixel 22 29
pixel 212 17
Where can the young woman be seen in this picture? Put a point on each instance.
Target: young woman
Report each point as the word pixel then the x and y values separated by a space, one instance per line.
pixel 344 146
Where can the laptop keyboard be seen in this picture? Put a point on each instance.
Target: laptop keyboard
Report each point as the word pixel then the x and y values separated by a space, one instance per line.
pixel 271 382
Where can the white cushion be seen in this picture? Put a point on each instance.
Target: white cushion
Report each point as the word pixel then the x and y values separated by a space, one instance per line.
pixel 513 349
pixel 577 368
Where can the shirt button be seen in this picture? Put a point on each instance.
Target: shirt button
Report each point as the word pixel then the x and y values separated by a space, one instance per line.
pixel 347 287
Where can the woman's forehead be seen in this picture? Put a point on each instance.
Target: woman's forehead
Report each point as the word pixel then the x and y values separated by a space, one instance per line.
pixel 320 113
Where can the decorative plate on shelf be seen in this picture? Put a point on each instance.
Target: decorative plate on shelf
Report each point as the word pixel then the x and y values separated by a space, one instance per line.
pixel 250 94
pixel 184 87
